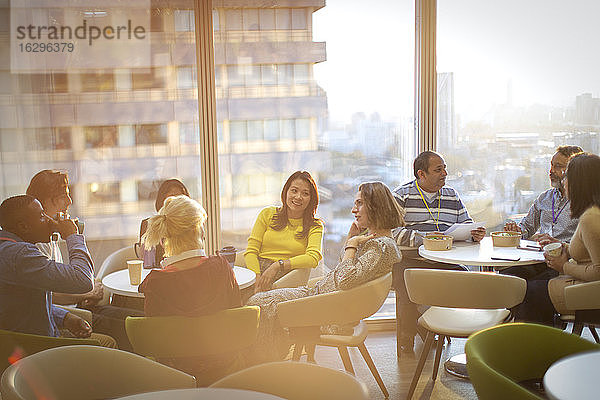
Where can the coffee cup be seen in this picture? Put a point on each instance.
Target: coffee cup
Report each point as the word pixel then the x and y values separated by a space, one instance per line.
pixel 135 271
pixel 229 253
pixel 553 249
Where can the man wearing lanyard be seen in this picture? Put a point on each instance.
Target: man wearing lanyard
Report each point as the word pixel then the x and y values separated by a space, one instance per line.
pixel 549 217
pixel 430 206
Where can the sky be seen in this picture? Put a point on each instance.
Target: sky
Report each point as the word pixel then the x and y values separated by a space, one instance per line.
pixel 547 49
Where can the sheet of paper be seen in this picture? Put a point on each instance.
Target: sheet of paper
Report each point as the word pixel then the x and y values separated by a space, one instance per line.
pixel 463 231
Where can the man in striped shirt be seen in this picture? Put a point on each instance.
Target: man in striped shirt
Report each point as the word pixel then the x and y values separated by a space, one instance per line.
pixel 430 206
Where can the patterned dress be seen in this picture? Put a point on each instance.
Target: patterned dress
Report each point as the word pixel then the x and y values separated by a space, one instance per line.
pixel 373 259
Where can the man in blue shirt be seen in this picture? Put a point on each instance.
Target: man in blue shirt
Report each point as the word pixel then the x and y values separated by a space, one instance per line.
pixel 28 277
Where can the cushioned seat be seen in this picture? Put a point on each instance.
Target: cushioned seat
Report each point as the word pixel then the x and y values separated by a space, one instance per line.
pixel 222 333
pixel 305 316
pixel 87 372
pixel 461 303
pixel 500 357
pixel 296 381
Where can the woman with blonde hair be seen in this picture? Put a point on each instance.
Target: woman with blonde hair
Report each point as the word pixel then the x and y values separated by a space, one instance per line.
pixel 369 253
pixel 154 255
pixel 189 283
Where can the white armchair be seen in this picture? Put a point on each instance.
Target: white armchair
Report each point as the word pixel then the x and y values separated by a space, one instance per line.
pixel 304 318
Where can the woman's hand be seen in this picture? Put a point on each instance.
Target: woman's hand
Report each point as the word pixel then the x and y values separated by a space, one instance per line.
pixel 354 230
pixel 266 279
pixel 558 262
pixel 357 241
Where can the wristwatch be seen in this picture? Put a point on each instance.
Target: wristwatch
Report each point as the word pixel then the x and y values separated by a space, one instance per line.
pixel 281 264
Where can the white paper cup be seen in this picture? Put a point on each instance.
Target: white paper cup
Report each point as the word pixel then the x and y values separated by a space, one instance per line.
pixel 553 249
pixel 135 271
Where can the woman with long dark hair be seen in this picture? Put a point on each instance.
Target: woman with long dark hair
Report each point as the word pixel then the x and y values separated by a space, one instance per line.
pixel 153 256
pixel 287 237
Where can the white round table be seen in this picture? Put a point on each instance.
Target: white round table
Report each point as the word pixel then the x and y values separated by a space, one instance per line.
pixel 202 393
pixel 480 254
pixel 118 281
pixel 574 377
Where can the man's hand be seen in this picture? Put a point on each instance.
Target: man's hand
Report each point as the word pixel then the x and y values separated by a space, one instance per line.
pixel 77 326
pixel 558 263
pixel 92 298
pixel 512 226
pixel 66 227
pixel 266 279
pixel 478 234
pixel 543 239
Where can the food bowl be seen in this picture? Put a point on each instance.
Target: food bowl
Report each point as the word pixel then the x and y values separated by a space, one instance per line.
pixel 506 239
pixel 437 242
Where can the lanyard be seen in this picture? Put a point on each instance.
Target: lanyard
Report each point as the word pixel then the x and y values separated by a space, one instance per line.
pixel 554 219
pixel 439 206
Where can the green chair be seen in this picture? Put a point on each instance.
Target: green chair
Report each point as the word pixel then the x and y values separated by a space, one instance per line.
pixel 296 381
pixel 499 358
pixel 87 373
pixel 217 337
pixel 16 345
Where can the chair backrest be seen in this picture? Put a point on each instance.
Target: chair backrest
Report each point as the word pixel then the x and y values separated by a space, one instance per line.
pixel 176 336
pixel 16 345
pixel 116 261
pixel 339 307
pixel 583 296
pixel 88 372
pixel 294 278
pixel 501 356
pixel 296 381
pixel 461 289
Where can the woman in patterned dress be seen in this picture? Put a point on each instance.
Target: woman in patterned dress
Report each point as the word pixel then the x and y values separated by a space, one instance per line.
pixel 369 252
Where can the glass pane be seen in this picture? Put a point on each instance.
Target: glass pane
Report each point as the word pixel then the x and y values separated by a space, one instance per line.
pixel 508 97
pixel 108 114
pixel 336 100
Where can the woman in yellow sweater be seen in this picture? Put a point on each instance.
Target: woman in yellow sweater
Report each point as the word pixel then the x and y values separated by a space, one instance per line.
pixel 287 237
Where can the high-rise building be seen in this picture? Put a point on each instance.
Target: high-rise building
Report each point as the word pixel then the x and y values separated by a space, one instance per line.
pixel 120 131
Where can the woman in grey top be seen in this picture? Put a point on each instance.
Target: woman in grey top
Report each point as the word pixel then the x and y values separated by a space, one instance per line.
pixel 369 253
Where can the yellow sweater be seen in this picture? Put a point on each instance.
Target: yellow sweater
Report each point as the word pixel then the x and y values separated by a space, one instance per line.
pixel 283 245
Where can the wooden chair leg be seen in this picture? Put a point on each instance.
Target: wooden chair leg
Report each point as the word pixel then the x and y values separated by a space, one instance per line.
pixel 310 352
pixel 343 350
pixel 365 353
pixel 297 351
pixel 420 364
pixel 577 328
pixel 398 326
pixel 594 333
pixel 438 355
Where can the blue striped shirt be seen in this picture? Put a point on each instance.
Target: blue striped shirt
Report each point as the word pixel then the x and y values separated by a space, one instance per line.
pixel 418 218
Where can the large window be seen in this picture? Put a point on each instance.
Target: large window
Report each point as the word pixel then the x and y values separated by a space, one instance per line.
pixel 320 86
pixel 514 82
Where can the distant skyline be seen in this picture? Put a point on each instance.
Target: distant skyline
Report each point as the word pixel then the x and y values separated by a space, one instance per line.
pixel 545 48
